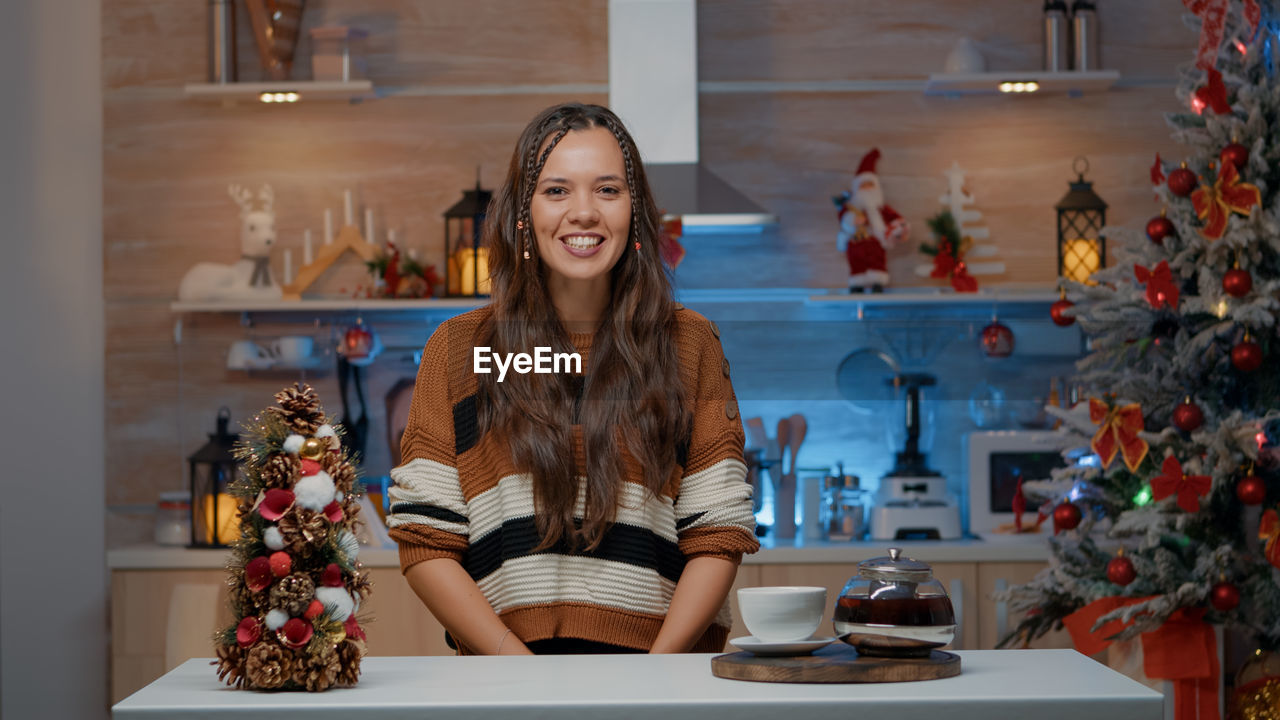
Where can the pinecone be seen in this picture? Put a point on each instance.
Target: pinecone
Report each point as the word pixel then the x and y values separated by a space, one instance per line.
pixel 350 651
pixel 299 409
pixel 303 531
pixel 361 584
pixel 293 594
pixel 230 664
pixel 280 471
pixel 269 666
pixel 319 671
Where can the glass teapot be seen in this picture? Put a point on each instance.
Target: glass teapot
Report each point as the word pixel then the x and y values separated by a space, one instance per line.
pixel 894 607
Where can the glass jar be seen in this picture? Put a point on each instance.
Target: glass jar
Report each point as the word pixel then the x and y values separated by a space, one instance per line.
pixel 844 507
pixel 894 607
pixel 173 518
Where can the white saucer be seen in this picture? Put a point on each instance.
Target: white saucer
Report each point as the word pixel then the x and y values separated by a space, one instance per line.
pixel 773 649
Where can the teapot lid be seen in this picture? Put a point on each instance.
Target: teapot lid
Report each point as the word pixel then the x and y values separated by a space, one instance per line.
pixel 895 568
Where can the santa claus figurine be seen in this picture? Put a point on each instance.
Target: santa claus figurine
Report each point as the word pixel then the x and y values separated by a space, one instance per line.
pixel 868 227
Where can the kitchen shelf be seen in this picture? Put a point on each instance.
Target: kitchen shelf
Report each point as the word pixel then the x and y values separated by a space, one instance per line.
pixel 352 90
pixel 1071 83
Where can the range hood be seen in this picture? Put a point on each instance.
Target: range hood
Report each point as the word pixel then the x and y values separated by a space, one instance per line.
pixel 653 87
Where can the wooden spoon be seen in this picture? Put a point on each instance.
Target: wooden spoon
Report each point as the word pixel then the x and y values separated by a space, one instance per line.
pixel 784 439
pixel 797 426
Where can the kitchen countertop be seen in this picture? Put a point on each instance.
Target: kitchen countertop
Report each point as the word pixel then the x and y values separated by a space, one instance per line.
pixel 1003 549
pixel 1044 684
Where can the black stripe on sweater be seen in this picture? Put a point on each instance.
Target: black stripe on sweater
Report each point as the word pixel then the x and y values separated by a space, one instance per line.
pixel 431 511
pixel 684 522
pixel 466 423
pixel 629 544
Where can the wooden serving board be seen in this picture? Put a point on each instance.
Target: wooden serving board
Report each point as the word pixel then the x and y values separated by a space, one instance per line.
pixel 835 663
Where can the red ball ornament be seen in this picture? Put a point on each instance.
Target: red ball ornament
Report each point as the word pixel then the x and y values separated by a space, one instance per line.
pixel 1247 356
pixel 1121 571
pixel 997 340
pixel 1159 228
pixel 1224 597
pixel 1236 154
pixel 1066 516
pixel 1251 490
pixel 1188 416
pixel 1182 181
pixel 1237 282
pixel 1055 311
pixel 281 564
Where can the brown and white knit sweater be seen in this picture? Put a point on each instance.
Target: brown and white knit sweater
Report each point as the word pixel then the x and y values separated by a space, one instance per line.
pixel 458 495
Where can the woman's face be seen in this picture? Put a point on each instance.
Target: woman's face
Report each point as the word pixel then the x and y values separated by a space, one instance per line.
pixel 581 207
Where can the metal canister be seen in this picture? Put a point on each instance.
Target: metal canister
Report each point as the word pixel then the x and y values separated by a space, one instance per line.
pixel 1084 35
pixel 1057 49
pixel 222 41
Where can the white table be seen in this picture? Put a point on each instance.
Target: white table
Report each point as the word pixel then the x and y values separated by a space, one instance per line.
pixel 1040 684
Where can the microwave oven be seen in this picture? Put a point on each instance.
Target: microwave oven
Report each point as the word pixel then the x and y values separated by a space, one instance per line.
pixel 996 461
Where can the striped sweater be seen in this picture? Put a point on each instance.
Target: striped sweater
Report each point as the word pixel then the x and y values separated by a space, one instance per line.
pixel 458 495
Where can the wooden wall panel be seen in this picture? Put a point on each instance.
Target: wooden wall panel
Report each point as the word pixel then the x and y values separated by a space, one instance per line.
pixel 167 161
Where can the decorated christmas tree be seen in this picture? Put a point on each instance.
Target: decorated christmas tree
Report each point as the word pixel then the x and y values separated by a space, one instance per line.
pixel 295 581
pixel 1173 530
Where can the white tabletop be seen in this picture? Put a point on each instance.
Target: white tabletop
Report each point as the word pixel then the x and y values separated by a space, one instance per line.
pixel 1040 684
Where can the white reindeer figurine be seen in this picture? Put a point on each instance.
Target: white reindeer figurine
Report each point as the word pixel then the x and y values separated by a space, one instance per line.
pixel 250 277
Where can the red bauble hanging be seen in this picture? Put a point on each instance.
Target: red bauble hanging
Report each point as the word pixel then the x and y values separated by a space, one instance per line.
pixel 1121 571
pixel 1159 228
pixel 1066 516
pixel 1237 282
pixel 1251 490
pixel 1182 181
pixel 1055 311
pixel 1188 416
pixel 1236 154
pixel 997 340
pixel 1224 597
pixel 1247 356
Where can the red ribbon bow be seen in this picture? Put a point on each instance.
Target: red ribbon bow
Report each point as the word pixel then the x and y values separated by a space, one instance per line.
pixel 1157 172
pixel 1183 650
pixel 1188 488
pixel 1119 432
pixel 1213 15
pixel 1269 530
pixel 1161 290
pixel 1214 204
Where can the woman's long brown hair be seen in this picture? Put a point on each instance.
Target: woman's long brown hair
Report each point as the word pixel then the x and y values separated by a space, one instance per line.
pixel 632 395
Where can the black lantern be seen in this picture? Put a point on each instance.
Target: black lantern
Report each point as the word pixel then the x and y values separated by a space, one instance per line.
pixel 213 468
pixel 1082 250
pixel 465 262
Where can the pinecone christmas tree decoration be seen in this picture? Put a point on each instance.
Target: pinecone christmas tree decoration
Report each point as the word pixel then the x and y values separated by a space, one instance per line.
pixel 295 582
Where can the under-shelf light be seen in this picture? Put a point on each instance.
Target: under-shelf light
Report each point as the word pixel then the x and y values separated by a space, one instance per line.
pixel 279 97
pixel 1019 86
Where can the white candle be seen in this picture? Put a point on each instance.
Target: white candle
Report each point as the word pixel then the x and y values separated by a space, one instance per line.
pixel 328 226
pixel 306 246
pixel 349 216
pixel 368 225
pixel 288 266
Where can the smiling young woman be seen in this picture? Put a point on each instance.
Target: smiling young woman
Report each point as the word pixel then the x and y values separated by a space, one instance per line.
pixel 605 511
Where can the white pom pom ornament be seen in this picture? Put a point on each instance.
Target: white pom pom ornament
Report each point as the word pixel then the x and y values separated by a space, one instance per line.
pixel 293 443
pixel 337 601
pixel 272 538
pixel 314 491
pixel 276 619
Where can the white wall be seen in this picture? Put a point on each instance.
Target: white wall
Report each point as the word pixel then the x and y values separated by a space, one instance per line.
pixel 53 581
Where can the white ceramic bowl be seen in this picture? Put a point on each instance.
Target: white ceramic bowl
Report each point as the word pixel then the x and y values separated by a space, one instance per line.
pixel 785 613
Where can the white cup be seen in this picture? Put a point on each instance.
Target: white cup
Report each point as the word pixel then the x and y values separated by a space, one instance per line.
pixel 786 613
pixel 292 349
pixel 247 355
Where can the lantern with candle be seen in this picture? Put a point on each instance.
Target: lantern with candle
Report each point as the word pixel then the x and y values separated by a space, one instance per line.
pixel 212 468
pixel 466 261
pixel 1082 250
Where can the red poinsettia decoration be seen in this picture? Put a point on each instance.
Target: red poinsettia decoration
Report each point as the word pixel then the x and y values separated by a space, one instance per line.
pixel 1214 204
pixel 275 503
pixel 1213 95
pixel 1161 290
pixel 248 631
pixel 1269 530
pixel 1118 432
pixel 1157 172
pixel 1172 481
